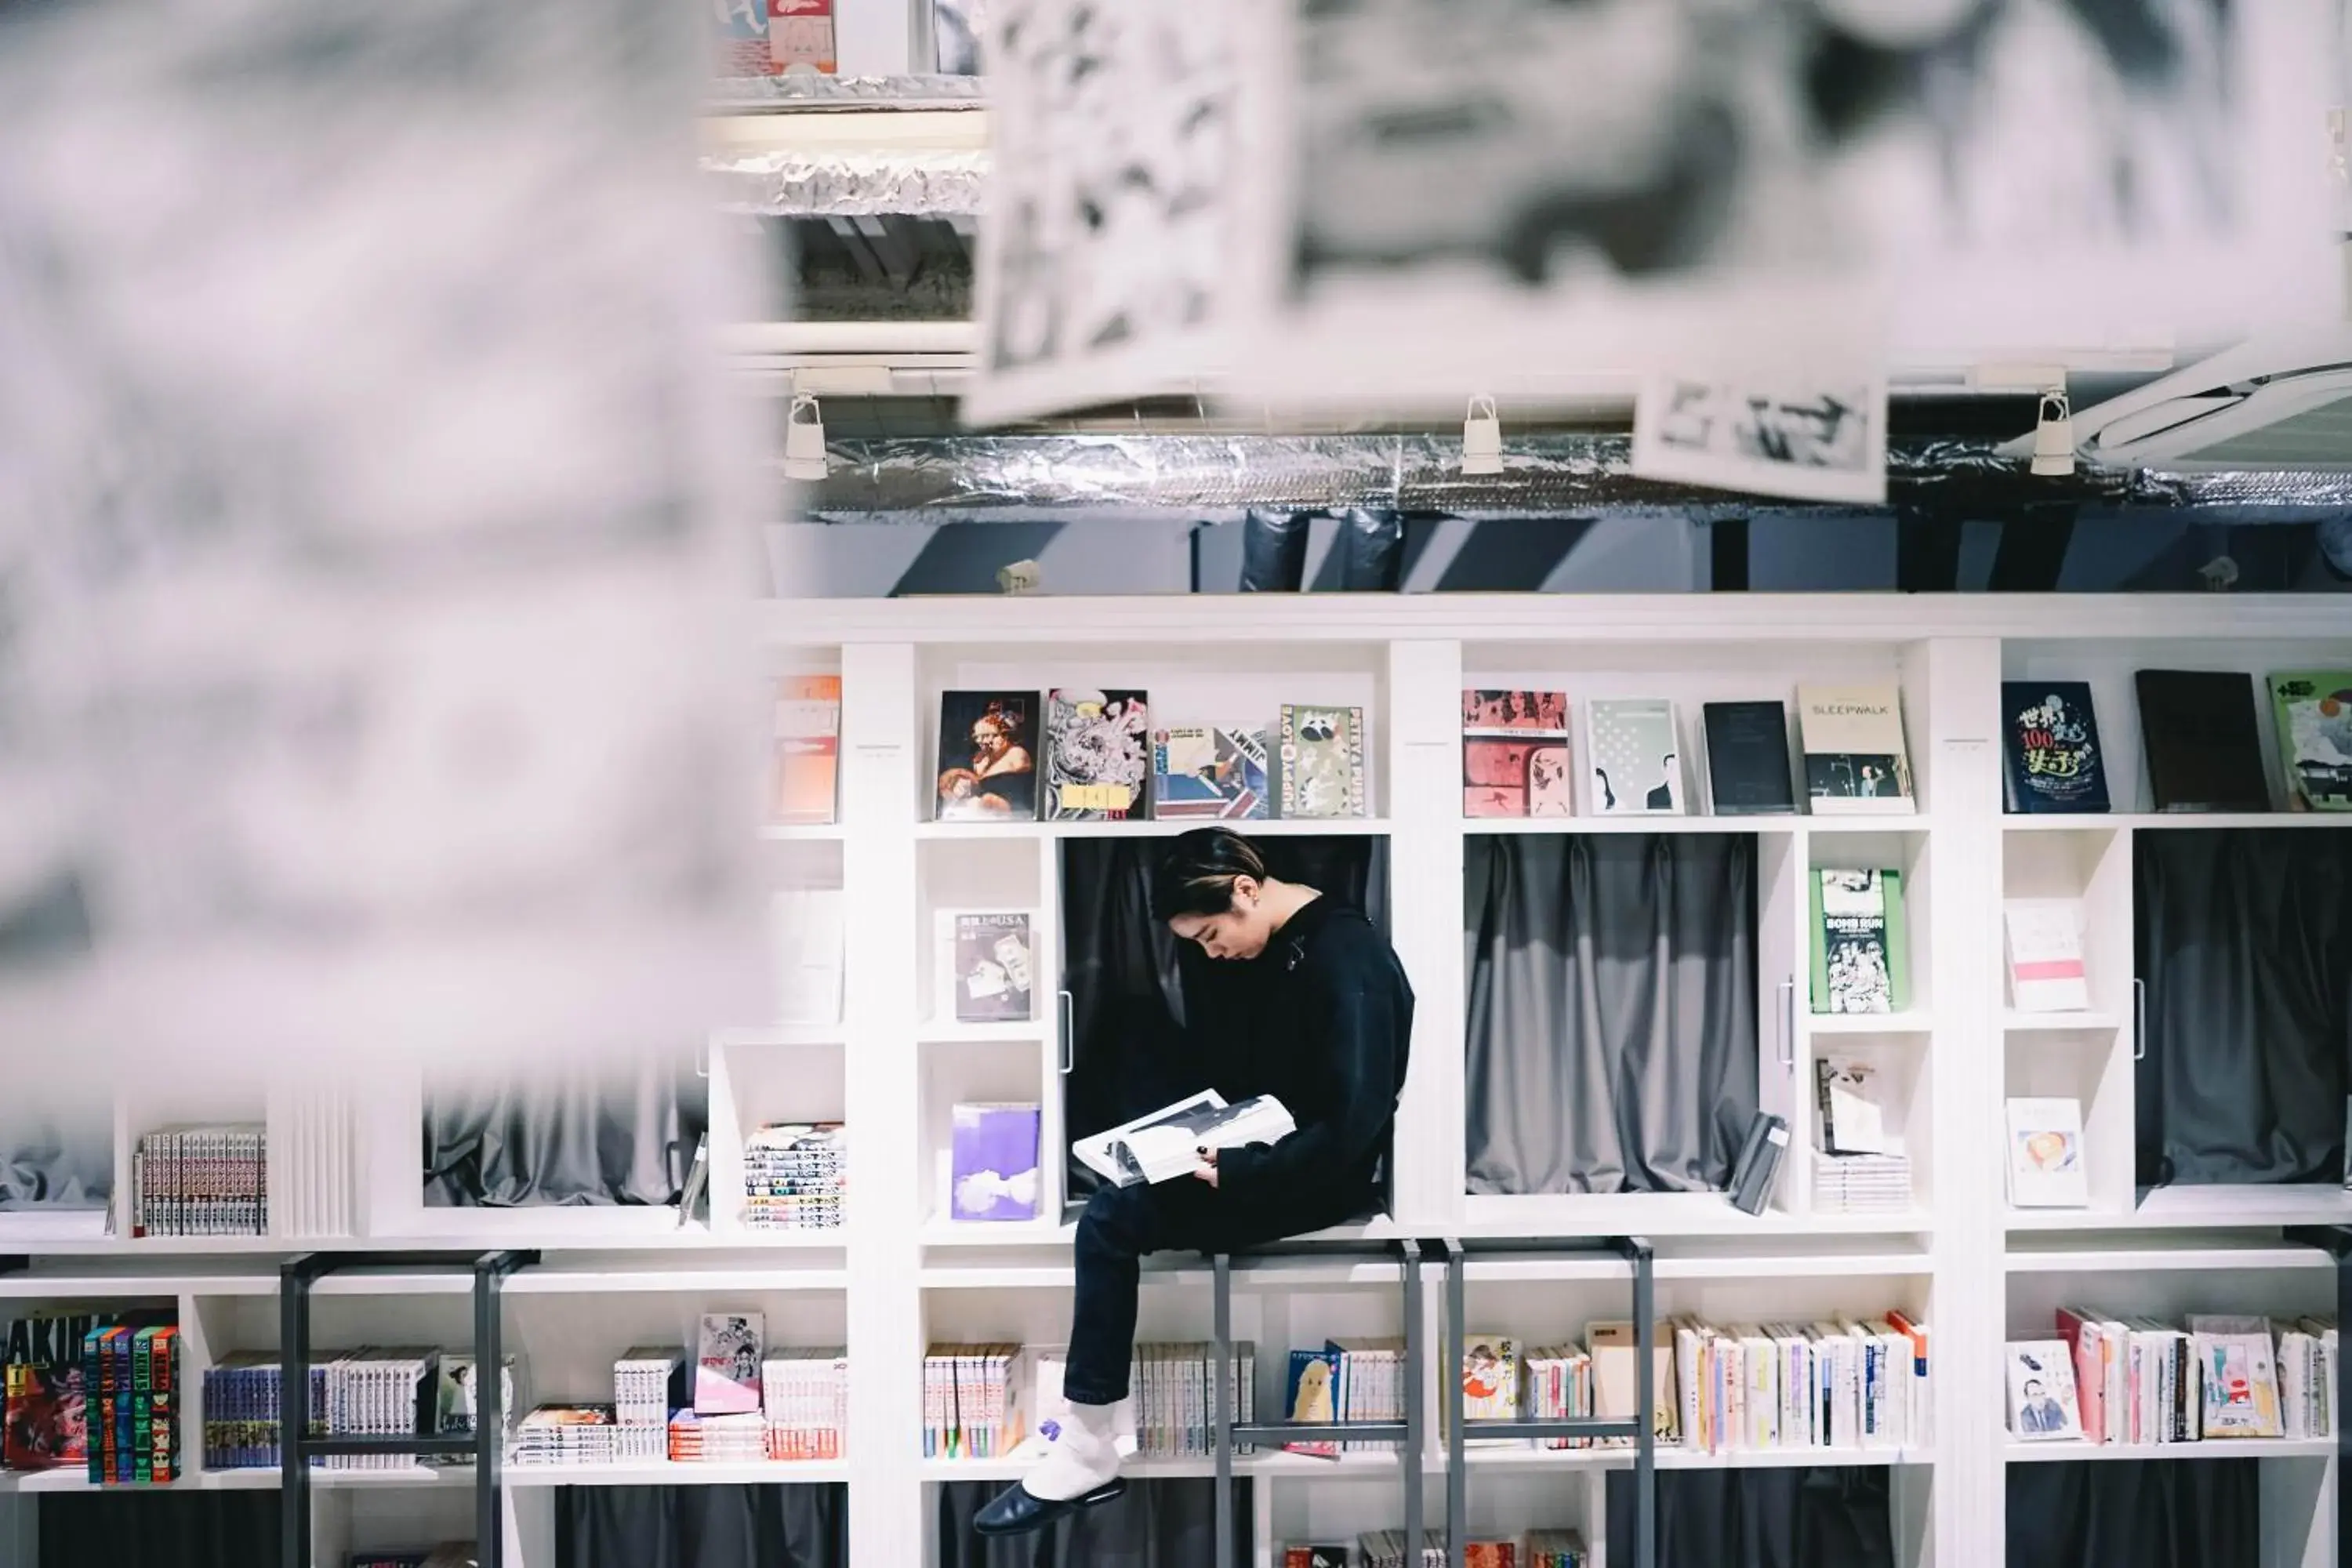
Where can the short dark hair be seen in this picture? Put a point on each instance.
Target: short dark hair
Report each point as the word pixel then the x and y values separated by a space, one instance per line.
pixel 1196 875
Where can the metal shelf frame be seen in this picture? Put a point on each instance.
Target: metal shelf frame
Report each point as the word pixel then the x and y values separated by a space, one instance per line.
pixel 297 1448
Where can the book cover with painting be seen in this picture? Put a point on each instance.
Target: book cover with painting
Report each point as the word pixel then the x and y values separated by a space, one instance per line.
pixel 2313 710
pixel 1097 755
pixel 1633 756
pixel 1490 1385
pixel 1201 771
pixel 1855 762
pixel 2050 740
pixel 808 749
pixel 727 1363
pixel 2046 1167
pixel 1322 761
pixel 1312 1397
pixel 1515 754
pixel 987 761
pixel 994 1168
pixel 989 969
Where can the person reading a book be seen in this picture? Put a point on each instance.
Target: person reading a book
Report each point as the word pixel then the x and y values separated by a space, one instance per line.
pixel 1326 1034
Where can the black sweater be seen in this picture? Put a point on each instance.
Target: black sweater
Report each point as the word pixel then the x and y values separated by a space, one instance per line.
pixel 1326 1027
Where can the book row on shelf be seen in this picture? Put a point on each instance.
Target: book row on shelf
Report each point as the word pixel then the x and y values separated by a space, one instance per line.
pixel 795 1176
pixel 201 1180
pixel 98 1393
pixel 2134 1379
pixel 1102 759
pixel 1386 1549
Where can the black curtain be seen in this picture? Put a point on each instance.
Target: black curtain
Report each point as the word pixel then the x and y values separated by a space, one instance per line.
pixel 565 1137
pixel 2245 940
pixel 1834 1517
pixel 159 1529
pixel 1612 1018
pixel 2136 1513
pixel 703 1527
pixel 1161 1523
pixel 1133 991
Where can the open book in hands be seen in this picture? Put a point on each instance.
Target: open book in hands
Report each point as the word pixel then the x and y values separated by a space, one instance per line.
pixel 1166 1143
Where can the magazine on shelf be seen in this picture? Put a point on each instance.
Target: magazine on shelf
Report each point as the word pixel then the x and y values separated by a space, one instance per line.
pixel 1166 1144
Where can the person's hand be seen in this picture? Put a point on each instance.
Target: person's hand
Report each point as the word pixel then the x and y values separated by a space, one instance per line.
pixel 1207 1171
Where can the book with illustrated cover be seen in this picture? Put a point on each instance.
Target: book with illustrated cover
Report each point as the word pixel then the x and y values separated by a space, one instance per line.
pixel 1322 761
pixel 1515 754
pixel 41 1382
pixel 1860 958
pixel 1310 1554
pixel 1856 762
pixel 2041 1405
pixel 808 749
pixel 1312 1397
pixel 994 1170
pixel 986 957
pixel 1748 759
pixel 1490 1385
pixel 2050 741
pixel 1851 1098
pixel 727 1363
pixel 2313 710
pixel 2046 1168
pixel 2046 972
pixel 2204 750
pixel 988 759
pixel 1634 756
pixel 2239 1380
pixel 1097 755
pixel 1208 772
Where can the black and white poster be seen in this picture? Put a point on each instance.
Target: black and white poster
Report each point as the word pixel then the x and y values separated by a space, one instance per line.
pixel 1824 440
pixel 1112 191
pixel 1497 195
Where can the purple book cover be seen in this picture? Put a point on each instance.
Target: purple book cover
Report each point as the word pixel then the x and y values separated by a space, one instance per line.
pixel 995 1162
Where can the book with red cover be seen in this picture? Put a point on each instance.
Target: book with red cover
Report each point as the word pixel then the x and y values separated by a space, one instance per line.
pixel 1515 754
pixel 808 749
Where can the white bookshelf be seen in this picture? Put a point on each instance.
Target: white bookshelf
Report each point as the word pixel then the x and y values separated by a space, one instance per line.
pixel 900 1274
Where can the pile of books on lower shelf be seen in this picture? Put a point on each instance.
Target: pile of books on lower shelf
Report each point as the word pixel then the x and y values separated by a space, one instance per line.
pixel 644 1385
pixel 100 1395
pixel 1717 1390
pixel 804 1393
pixel 368 1391
pixel 699 1439
pixel 974 1404
pixel 376 1392
pixel 448 1554
pixel 2134 1379
pixel 1861 1183
pixel 559 1434
pixel 794 1175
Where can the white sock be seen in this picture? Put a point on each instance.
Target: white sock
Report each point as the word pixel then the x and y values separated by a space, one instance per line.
pixel 1084 1456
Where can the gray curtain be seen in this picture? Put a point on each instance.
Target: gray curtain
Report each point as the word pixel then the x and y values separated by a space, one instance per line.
pixel 2134 1513
pixel 565 1137
pixel 57 1157
pixel 1161 1523
pixel 1823 1518
pixel 2244 941
pixel 798 1526
pixel 1611 1026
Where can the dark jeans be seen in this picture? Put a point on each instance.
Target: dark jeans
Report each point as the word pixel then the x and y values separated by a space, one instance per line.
pixel 1121 1223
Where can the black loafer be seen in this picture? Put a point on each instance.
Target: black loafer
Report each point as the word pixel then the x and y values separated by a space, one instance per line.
pixel 1013 1511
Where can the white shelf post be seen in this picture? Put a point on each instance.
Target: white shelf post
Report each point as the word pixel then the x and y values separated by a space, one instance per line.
pixel 1424 795
pixel 1965 1066
pixel 879 762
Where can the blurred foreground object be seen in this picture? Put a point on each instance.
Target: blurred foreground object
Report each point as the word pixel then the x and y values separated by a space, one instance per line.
pixel 372 524
pixel 1396 204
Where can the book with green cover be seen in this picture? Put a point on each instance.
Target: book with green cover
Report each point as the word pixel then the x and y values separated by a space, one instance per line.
pixel 2313 710
pixel 1861 956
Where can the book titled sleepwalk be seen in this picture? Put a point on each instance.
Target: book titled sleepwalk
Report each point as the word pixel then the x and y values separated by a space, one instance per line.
pixel 1200 771
pixel 1859 957
pixel 2313 710
pixel 1747 758
pixel 1855 762
pixel 1097 755
pixel 2050 739
pixel 1322 759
